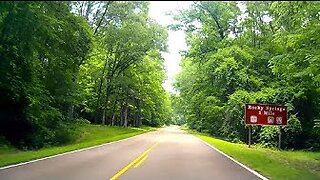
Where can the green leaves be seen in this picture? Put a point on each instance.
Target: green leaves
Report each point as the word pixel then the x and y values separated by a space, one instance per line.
pixel 58 68
pixel 268 54
pixel 42 47
pixel 123 76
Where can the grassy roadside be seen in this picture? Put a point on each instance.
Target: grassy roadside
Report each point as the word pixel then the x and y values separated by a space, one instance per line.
pixel 271 163
pixel 92 135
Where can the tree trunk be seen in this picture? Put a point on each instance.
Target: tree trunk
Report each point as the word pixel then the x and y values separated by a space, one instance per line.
pixel 125 124
pixel 113 112
pixel 104 116
pixel 99 93
pixel 70 112
pixel 138 117
pixel 108 93
pixel 121 114
pixel 112 119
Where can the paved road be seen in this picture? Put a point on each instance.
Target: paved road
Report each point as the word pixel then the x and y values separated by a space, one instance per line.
pixel 168 153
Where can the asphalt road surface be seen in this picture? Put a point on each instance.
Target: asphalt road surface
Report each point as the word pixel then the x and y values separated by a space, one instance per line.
pixel 168 153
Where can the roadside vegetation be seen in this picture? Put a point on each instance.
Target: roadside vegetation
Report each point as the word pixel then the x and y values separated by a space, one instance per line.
pixel 88 135
pixel 64 62
pixel 251 52
pixel 270 162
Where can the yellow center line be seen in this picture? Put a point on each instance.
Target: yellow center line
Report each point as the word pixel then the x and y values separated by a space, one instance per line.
pixel 141 161
pixel 133 162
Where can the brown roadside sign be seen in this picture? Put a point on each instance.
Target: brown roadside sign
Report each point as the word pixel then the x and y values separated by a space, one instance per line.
pixel 266 114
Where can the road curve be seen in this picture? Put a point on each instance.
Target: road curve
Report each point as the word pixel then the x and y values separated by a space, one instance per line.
pixel 168 153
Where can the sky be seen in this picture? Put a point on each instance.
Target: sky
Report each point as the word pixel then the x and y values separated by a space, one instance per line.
pixel 176 39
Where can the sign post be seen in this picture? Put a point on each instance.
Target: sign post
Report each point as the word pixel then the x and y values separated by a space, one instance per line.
pixel 265 114
pixel 279 145
pixel 249 143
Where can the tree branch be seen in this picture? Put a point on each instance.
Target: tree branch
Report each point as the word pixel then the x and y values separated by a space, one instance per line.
pixel 105 12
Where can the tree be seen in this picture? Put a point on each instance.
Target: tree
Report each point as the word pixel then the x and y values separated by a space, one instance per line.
pixel 42 47
pixel 126 35
pixel 268 55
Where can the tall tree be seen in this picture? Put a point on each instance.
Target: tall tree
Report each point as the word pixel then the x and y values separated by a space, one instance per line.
pixel 267 54
pixel 42 48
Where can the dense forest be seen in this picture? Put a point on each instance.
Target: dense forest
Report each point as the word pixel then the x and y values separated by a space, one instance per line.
pixel 67 63
pixel 251 52
pixel 64 64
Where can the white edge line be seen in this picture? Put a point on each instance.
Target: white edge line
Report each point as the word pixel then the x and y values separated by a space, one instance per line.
pixel 240 164
pixel 70 152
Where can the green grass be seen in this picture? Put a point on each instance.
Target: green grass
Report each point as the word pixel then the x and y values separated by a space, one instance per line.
pixel 271 163
pixel 92 135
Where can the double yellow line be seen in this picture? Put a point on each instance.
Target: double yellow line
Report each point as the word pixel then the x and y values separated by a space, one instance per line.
pixel 137 162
